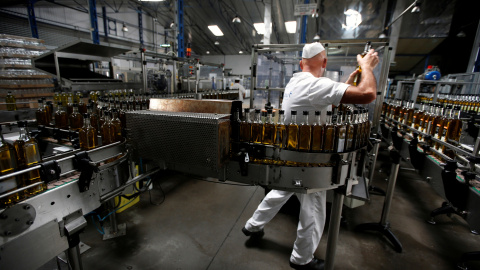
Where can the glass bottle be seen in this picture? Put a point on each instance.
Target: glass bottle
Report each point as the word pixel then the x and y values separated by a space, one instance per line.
pixel 70 104
pixel 455 127
pixel 317 134
pixel 82 106
pixel 75 119
pixel 108 130
pixel 117 125
pixel 246 127
pixel 88 134
pixel 417 116
pixel 280 130
pixel 11 101
pixel 93 117
pixel 441 124
pixel 49 109
pixel 368 127
pixel 426 118
pixel 356 79
pixel 356 130
pixel 292 141
pixel 436 120
pixel 409 114
pixel 101 121
pixel 340 130
pixel 257 128
pixel 268 134
pixel 64 98
pixel 28 155
pixel 304 134
pixel 61 119
pixel 8 165
pixel 349 137
pixel 41 114
pixel 330 132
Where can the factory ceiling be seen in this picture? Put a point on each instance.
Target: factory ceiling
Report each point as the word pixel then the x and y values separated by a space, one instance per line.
pixel 331 21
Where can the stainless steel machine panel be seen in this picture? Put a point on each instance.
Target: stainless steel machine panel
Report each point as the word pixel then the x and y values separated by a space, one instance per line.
pixel 199 139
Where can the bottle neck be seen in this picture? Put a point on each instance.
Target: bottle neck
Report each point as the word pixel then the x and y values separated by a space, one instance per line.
pixel 281 119
pixel 329 119
pixel 86 122
pixel 257 117
pixel 305 119
pixel 75 109
pixel 317 119
pixel 294 119
pixel 269 118
pixel 23 134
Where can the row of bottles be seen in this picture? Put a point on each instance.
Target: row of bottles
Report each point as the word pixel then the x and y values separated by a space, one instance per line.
pixel 438 121
pixel 24 153
pixel 346 132
pixel 467 103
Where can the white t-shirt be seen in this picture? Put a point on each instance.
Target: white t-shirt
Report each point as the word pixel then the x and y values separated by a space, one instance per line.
pixel 241 90
pixel 304 92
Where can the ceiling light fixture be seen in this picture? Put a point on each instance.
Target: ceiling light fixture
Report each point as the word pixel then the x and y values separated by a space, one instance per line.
pixel 353 19
pixel 124 28
pixel 215 30
pixel 291 27
pixel 207 52
pixel 236 19
pixel 260 27
pixel 316 38
pixel 461 34
pixel 165 45
pixel 315 14
pixel 217 43
pixel 240 52
pixel 172 25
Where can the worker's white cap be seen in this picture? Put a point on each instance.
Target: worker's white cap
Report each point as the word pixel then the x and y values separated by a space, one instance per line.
pixel 312 49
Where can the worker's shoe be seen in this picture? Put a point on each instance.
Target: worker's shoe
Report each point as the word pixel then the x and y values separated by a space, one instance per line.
pixel 257 235
pixel 314 264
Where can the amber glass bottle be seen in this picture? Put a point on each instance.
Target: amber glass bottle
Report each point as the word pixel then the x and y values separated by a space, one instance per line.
pixel 28 155
pixel 329 142
pixel 8 165
pixel 349 137
pixel 88 134
pixel 108 130
pixel 280 130
pixel 61 119
pixel 268 134
pixel 417 116
pixel 317 134
pixel 257 128
pixel 340 130
pixel 356 79
pixel 94 121
pixel 292 129
pixel 41 114
pixel 246 127
pixel 118 126
pixel 75 119
pixel 304 134
pixel 11 101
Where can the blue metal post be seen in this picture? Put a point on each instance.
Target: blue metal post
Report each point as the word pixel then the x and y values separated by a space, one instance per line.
pixel 181 43
pixel 105 21
pixel 93 21
pixel 31 18
pixel 304 27
pixel 140 26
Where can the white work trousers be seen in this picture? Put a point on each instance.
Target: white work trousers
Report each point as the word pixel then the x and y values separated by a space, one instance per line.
pixel 310 226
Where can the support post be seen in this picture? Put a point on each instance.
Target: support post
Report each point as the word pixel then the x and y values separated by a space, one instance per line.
pixel 32 19
pixel 333 229
pixel 304 27
pixel 105 21
pixel 92 11
pixel 140 26
pixel 181 42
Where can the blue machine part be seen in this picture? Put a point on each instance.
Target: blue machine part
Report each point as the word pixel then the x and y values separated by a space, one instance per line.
pixel 433 75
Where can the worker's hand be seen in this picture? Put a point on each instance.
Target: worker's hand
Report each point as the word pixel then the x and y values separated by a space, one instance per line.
pixel 351 77
pixel 369 61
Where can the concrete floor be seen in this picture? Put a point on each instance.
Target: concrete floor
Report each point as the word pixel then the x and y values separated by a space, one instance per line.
pixel 198 226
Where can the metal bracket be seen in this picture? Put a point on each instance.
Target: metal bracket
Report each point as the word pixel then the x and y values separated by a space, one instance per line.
pixel 244 160
pixel 17 219
pixel 84 164
pixel 50 171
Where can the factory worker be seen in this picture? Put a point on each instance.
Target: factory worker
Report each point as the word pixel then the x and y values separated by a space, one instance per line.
pixel 241 89
pixel 309 91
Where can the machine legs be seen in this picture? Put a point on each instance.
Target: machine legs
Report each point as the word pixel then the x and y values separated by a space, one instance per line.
pixel 114 230
pixel 384 226
pixel 333 229
pixel 73 255
pixel 371 187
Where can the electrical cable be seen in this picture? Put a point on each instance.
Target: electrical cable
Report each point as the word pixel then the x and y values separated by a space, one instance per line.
pixel 163 193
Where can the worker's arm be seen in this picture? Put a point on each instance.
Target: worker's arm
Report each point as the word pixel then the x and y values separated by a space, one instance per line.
pixel 366 91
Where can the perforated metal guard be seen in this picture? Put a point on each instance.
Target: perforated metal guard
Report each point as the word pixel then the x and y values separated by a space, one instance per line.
pixel 199 139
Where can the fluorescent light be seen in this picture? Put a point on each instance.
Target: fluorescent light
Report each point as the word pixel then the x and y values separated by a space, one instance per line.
pixel 291 27
pixel 260 27
pixel 165 45
pixel 236 20
pixel 207 52
pixel 215 30
pixel 240 52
